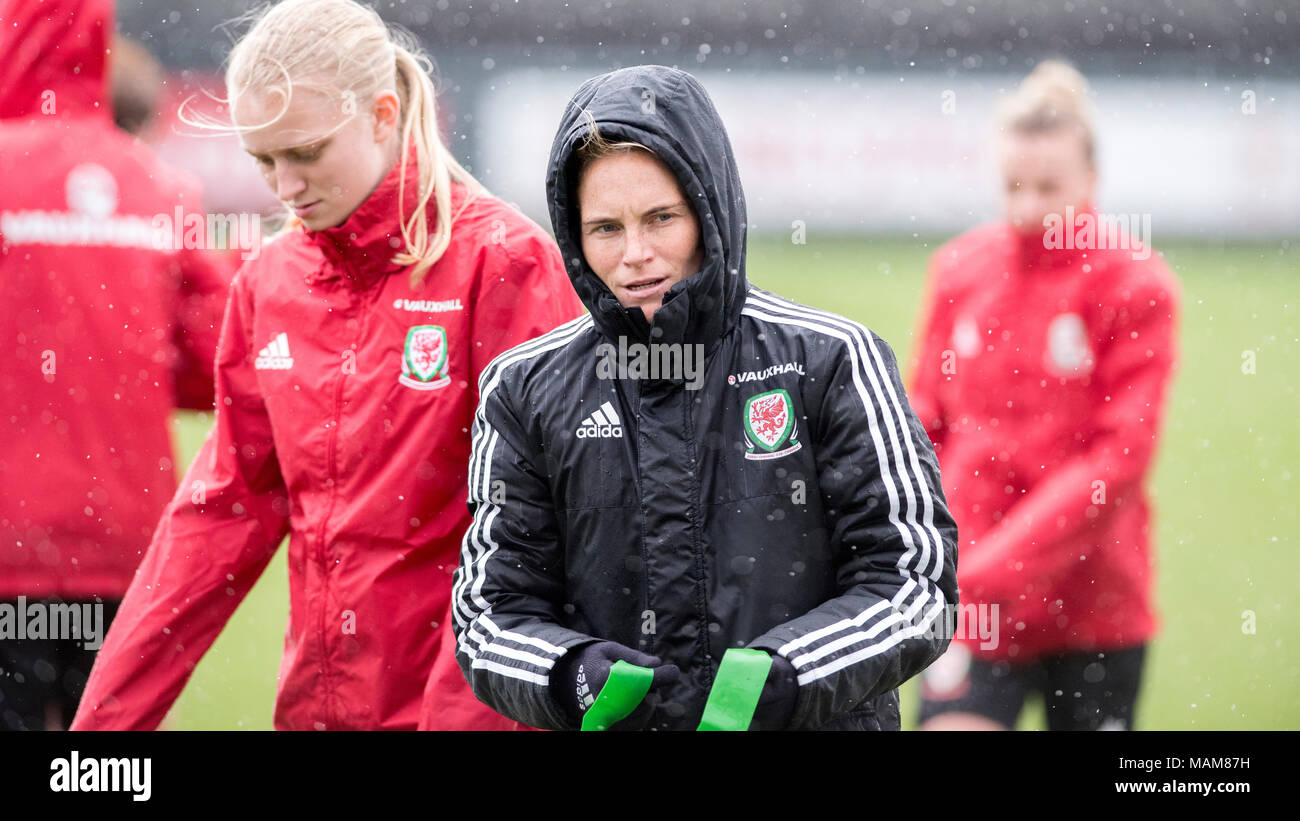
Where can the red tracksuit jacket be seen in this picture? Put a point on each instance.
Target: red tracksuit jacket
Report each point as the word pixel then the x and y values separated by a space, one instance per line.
pixel 102 334
pixel 1041 377
pixel 344 404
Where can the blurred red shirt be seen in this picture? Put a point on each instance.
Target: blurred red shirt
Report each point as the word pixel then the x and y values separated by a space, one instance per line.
pixel 1041 377
pixel 103 332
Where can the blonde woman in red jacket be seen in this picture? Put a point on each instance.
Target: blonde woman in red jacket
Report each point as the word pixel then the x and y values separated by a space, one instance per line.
pixel 1041 377
pixel 347 380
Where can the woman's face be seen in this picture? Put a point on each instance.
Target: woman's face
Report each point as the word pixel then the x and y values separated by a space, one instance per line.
pixel 1044 174
pixel 639 234
pixel 321 173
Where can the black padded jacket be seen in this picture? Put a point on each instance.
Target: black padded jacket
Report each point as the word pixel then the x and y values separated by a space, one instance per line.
pixel 785 499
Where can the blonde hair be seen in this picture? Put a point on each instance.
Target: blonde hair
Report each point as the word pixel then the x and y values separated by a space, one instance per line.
pixel 341 47
pixel 1053 97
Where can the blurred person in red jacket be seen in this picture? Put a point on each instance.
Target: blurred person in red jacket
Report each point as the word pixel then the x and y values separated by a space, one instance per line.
pixel 1041 376
pixel 104 331
pixel 347 380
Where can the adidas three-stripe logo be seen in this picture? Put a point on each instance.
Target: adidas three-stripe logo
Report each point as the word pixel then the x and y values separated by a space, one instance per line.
pixel 275 357
pixel 603 424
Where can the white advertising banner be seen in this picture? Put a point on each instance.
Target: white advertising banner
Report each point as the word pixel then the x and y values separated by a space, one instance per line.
pixel 887 154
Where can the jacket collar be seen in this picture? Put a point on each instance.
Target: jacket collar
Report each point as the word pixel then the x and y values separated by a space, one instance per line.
pixel 360 251
pixel 1036 255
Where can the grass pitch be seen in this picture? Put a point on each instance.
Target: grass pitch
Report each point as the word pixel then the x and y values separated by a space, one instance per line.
pixel 1223 490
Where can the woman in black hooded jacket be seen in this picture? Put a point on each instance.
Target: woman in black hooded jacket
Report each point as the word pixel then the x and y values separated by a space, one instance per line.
pixel 697 466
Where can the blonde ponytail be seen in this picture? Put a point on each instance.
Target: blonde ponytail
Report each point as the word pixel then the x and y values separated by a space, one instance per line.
pixel 436 164
pixel 1054 96
pixel 344 49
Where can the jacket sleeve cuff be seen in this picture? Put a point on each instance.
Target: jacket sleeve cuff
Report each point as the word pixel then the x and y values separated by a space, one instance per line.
pixel 511 667
pixel 803 699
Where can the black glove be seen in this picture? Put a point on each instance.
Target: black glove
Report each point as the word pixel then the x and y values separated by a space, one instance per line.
pixel 579 675
pixel 776 702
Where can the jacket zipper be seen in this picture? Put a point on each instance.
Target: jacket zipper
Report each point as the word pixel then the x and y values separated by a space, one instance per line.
pixel 697 513
pixel 635 444
pixel 331 451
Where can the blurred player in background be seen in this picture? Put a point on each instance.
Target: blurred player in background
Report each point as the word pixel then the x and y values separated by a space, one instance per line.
pixel 346 386
pixel 136 82
pixel 1041 377
pixel 102 334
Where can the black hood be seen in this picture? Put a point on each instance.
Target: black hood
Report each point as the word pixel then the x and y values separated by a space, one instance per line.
pixel 669 112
